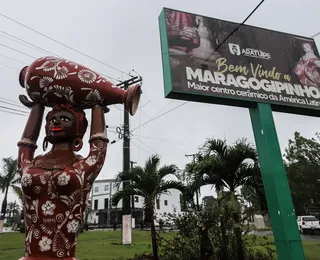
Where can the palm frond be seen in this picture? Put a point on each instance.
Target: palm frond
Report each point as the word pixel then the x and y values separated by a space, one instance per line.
pixel 152 164
pixel 18 191
pixel 125 193
pixel 167 185
pixel 216 146
pixel 167 170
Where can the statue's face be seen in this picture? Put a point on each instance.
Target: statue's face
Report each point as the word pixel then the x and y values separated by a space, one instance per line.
pixel 61 127
pixel 307 47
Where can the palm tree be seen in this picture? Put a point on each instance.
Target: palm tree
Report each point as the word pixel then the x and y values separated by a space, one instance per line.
pixel 12 210
pixel 148 183
pixel 8 178
pixel 194 179
pixel 228 168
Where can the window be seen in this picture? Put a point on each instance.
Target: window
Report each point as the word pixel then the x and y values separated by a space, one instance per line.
pixel 165 202
pixel 106 203
pixel 136 199
pixel 158 203
pixel 106 187
pixel 95 204
pixel 96 189
pixel 311 218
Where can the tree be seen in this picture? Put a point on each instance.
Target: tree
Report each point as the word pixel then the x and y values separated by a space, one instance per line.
pixel 194 179
pixel 302 162
pixel 8 178
pixel 13 210
pixel 253 192
pixel 148 183
pixel 228 168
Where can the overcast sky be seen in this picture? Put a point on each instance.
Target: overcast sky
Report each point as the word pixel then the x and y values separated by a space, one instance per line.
pixel 125 35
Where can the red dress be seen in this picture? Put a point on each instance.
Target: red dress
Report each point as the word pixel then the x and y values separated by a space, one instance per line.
pixel 55 201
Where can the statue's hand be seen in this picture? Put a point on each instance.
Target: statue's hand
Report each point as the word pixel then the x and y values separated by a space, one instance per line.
pixel 25 101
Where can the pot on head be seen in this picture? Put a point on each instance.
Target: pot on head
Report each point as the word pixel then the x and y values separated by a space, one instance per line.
pixel 53 80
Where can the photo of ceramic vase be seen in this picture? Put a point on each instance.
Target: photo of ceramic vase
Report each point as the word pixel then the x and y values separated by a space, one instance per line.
pixel 205 54
pixel 53 80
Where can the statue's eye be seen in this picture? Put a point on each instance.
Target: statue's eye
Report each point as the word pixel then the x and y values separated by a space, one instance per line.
pixel 52 120
pixel 64 118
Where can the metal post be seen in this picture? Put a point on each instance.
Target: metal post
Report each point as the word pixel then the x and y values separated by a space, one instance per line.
pixel 280 206
pixel 126 214
pixel 133 215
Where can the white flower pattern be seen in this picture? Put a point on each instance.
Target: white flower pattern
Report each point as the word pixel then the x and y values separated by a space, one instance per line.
pixel 26 180
pixel 61 72
pixel 61 91
pixel 45 82
pixel 45 244
pixel 91 160
pixel 63 179
pixel 48 208
pixel 57 228
pixel 87 76
pixel 73 226
pixel 94 95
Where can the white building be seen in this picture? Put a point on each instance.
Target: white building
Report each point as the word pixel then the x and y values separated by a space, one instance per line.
pixel 103 190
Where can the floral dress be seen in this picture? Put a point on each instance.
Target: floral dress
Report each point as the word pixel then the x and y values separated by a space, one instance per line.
pixel 55 201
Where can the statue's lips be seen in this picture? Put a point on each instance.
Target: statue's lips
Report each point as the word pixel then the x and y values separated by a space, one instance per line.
pixel 56 129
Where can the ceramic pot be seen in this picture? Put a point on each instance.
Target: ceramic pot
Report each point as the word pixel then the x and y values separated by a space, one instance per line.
pixel 53 80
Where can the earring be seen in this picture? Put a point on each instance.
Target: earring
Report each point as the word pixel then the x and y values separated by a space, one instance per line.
pixel 77 144
pixel 45 144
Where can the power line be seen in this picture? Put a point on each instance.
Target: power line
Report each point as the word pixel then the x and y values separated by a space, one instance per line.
pixel 315 35
pixel 237 28
pixel 110 78
pixel 6 102
pixel 154 118
pixel 7 57
pixel 17 51
pixel 163 140
pixel 69 47
pixel 13 109
pixel 1 64
pixel 13 113
pixel 25 43
pixel 148 147
pixel 141 148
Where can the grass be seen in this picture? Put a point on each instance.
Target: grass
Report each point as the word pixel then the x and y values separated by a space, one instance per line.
pixel 104 245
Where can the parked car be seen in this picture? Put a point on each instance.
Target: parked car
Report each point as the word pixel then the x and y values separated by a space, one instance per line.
pixel 310 223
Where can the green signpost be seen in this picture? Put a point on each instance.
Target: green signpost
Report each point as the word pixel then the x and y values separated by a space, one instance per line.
pixel 256 68
pixel 282 215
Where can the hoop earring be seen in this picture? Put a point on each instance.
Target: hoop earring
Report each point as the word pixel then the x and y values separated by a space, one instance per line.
pixel 45 144
pixel 77 144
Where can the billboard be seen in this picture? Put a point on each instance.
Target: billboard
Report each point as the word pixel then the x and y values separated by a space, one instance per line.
pixel 201 63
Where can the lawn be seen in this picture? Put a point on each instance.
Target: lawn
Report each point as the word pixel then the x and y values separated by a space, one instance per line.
pixel 104 245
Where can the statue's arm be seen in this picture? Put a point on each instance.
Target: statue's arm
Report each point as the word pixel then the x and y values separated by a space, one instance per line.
pixel 98 144
pixel 28 143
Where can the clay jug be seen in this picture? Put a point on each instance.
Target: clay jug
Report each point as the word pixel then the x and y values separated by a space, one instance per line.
pixel 53 80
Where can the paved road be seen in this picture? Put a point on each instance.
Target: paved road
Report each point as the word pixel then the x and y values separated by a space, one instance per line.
pixel 303 237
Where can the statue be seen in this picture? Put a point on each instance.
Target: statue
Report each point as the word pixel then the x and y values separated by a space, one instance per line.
pixel 307 68
pixel 205 54
pixel 56 185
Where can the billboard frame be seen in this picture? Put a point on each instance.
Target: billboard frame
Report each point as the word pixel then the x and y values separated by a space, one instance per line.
pixel 280 206
pixel 169 92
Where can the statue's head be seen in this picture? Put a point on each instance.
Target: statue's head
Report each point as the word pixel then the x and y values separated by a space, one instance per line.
pixel 66 124
pixel 307 47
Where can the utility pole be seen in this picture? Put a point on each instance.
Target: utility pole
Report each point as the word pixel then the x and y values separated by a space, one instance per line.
pixel 126 214
pixel 197 192
pixel 133 213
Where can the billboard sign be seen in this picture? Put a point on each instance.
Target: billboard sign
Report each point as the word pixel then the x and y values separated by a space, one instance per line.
pixel 252 65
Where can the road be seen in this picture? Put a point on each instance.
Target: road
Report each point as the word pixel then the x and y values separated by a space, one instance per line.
pixel 303 237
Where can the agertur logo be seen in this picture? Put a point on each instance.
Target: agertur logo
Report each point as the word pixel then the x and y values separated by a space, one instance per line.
pixel 254 53
pixel 234 49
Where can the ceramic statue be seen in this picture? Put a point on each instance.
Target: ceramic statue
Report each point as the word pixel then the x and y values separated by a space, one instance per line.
pixel 56 185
